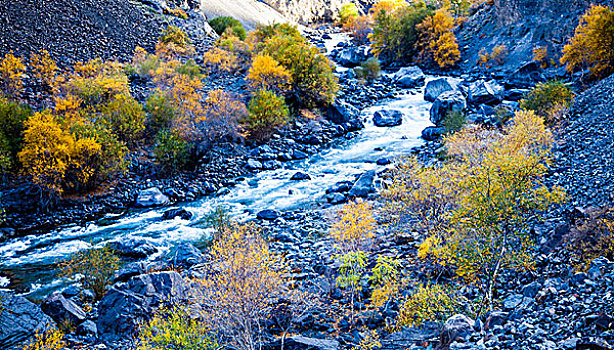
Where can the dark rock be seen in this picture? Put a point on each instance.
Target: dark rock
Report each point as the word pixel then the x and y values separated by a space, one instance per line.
pixel 336 198
pixel 387 118
pixel 299 176
pixel 151 197
pixel 457 326
pixel 515 94
pixel 483 92
pixel 341 186
pixel 184 255
pixel 383 161
pixel 593 344
pixel 296 154
pixel 342 112
pixel 127 305
pixel 364 185
pixel 177 212
pixel 61 310
pixel 436 87
pixel 451 101
pixel 19 320
pixel 133 248
pixel 352 56
pixel 516 301
pixel 604 322
pixel 409 77
pixel 495 318
pixel 432 133
pixel 87 329
pixel 267 214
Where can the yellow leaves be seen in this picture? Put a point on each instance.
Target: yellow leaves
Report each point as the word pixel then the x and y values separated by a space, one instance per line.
pixel 540 55
pixel 125 117
pixel 496 56
pixel 354 226
pixel 267 112
pixel 359 27
pixel 173 44
pixel 223 113
pixel 267 74
pixel 95 268
pixel 47 339
pixel 219 60
pixel 593 43
pixel 427 303
pixel 387 6
pixel 11 74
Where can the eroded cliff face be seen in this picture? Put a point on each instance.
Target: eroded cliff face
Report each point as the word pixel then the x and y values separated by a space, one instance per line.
pixel 313 11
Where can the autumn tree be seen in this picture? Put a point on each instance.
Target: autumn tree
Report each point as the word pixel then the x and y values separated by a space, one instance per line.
pixel 478 207
pixel 44 68
pixel 437 40
pixel 218 60
pixel 267 112
pixel 94 268
pixel 174 43
pixel 12 118
pixel 347 13
pixel 125 116
pixel 550 100
pixel 354 226
pixel 267 74
pixel 12 72
pixel 223 113
pixel 592 46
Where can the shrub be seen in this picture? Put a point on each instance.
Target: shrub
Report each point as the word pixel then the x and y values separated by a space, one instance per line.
pixel 12 118
pixel 11 75
pixel 144 64
pixel 267 112
pixel 189 68
pixel 385 281
pixel 219 60
pixel 171 151
pixel 427 303
pixel 48 339
pixel 591 46
pixel 347 13
pixel 313 81
pixel 160 110
pixel 174 328
pixel 267 74
pixel 177 12
pixel 125 116
pixel 592 237
pixel 394 29
pixel 354 226
pixel 359 28
pixel 454 121
pixel 540 55
pixel 223 112
pixel 369 70
pixel 44 68
pixel 174 43
pixel 95 268
pixel 222 24
pixel 184 93
pixel 437 39
pixel 545 98
pixel 479 205
pixel 264 33
pixel 351 271
pixel 96 83
pixel 244 280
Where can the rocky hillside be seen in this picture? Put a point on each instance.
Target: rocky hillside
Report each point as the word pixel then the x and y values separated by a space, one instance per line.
pixel 521 25
pixel 249 12
pixel 310 11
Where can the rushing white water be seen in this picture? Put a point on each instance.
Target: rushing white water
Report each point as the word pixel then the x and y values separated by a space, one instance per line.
pixel 30 259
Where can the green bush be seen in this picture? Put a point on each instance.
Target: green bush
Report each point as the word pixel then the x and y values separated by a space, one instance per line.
pixel 546 99
pixel 161 111
pixel 96 268
pixel 189 68
pixel 125 116
pixel 171 151
pixel 394 32
pixel 267 111
pixel 454 121
pixel 263 33
pixel 369 70
pixel 12 117
pixel 347 12
pixel 221 24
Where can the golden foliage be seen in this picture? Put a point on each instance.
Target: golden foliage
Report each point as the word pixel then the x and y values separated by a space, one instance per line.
pixel 267 74
pixel 540 55
pixel 49 339
pixel 550 100
pixel 125 116
pixel 220 60
pixel 496 56
pixel 592 46
pixel 359 28
pixel 11 75
pixel 174 43
pixel 223 112
pixel 44 68
pixel 387 6
pixel 96 83
pixel 437 38
pixel 369 342
pixel 427 303
pixel 174 328
pixel 95 268
pixel 354 226
pixel 592 237
pixel 385 281
pixel 347 13
pixel 267 112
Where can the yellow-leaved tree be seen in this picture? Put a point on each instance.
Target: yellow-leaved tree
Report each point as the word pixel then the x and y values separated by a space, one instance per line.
pixel 267 74
pixel 12 71
pixel 354 226
pixel 437 40
pixel 592 46
pixel 478 207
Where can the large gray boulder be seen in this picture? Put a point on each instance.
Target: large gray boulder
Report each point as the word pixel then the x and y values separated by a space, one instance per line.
pixel 436 87
pixel 19 320
pixel 409 77
pixel 342 112
pixel 364 185
pixel 62 310
pixel 151 197
pixel 482 92
pixel 445 103
pixel 129 304
pixel 387 118
pixel 457 326
pixel 352 56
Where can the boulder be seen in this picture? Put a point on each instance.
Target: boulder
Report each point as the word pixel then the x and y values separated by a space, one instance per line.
pixel 341 112
pixel 267 214
pixel 409 77
pixel 19 319
pixel 299 176
pixel 364 185
pixel 495 318
pixel 126 305
pixel 336 198
pixel 383 161
pixel 341 186
pixel 387 118
pixel 296 154
pixel 432 133
pixel 352 56
pixel 457 326
pixel 436 87
pixel 177 212
pixel 87 329
pixel 151 197
pixel 253 164
pixel 299 342
pixel 133 248
pixel 482 92
pixel 445 103
pixel 61 310
pixel 184 255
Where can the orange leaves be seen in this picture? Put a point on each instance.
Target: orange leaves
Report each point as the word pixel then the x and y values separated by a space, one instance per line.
pixel 174 43
pixel 592 46
pixel 267 74
pixel 437 38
